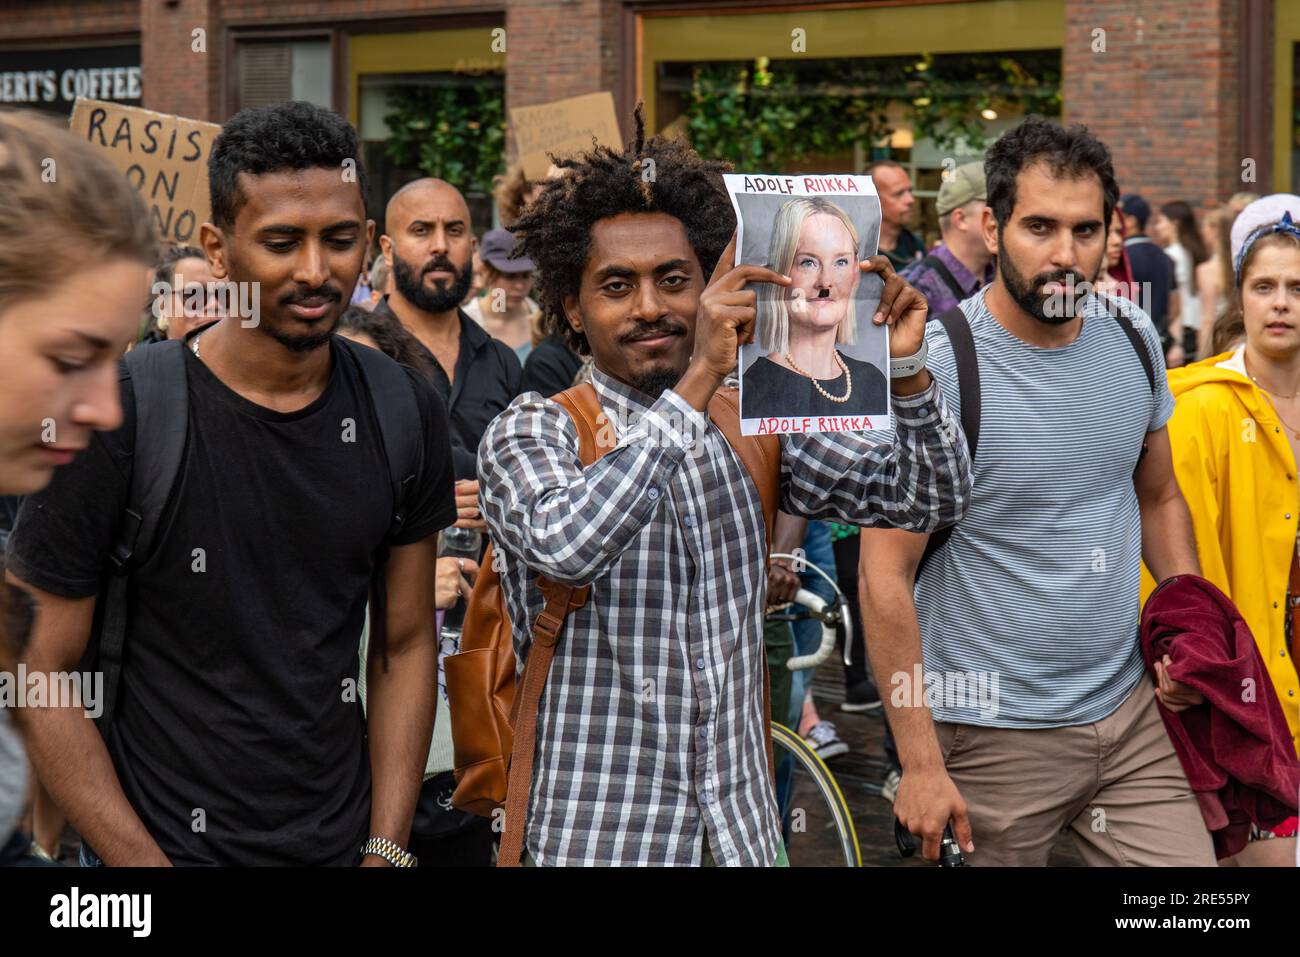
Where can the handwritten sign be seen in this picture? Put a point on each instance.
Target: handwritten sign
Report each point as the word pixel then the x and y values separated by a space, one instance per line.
pixel 563 127
pixel 165 157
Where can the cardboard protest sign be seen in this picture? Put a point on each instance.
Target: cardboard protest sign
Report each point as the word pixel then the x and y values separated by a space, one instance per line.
pixel 165 157
pixel 817 363
pixel 563 127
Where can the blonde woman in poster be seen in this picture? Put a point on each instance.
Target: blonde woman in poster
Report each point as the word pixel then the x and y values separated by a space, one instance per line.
pixel 815 243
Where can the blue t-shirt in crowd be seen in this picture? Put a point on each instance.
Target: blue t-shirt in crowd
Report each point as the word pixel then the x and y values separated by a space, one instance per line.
pixel 1036 593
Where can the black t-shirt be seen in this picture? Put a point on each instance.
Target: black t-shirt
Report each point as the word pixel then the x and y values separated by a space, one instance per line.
pixel 551 367
pixel 772 389
pixel 1155 271
pixel 908 250
pixel 487 380
pixel 245 622
pixel 8 512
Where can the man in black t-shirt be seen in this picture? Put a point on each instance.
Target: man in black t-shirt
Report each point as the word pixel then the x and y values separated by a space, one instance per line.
pixel 551 367
pixel 1153 272
pixel 238 738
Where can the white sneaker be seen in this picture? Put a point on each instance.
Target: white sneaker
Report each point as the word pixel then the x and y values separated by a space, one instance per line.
pixel 825 741
pixel 889 787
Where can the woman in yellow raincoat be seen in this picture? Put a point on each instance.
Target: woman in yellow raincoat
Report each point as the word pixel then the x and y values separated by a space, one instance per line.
pixel 1234 436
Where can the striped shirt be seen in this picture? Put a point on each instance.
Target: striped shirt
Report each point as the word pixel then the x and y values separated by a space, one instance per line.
pixel 1036 592
pixel 651 729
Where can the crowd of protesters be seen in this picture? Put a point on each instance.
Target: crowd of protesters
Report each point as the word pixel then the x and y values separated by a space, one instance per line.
pixel 1096 406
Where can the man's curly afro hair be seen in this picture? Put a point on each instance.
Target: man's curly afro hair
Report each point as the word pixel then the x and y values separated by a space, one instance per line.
pixel 656 176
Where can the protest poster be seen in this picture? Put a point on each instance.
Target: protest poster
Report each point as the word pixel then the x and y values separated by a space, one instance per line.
pixel 817 363
pixel 563 127
pixel 165 157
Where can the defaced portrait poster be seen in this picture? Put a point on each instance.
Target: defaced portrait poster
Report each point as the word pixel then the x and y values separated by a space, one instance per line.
pixel 817 363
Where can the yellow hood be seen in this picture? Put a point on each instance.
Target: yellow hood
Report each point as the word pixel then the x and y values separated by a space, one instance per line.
pixel 1207 371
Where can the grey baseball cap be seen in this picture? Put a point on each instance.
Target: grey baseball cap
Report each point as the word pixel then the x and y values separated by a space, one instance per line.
pixel 495 250
pixel 966 184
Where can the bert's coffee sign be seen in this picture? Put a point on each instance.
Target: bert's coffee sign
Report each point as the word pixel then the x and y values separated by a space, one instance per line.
pixel 53 79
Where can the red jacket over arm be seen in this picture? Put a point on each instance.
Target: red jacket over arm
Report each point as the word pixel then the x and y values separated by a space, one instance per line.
pixel 1236 747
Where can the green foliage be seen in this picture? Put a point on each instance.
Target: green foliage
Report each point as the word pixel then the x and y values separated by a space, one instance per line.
pixel 456 133
pixel 765 115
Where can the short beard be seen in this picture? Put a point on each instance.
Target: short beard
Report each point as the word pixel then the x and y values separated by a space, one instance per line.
pixel 1023 291
pixel 655 382
pixel 435 301
pixel 300 343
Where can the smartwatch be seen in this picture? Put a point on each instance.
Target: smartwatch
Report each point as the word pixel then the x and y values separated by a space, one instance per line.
pixel 909 365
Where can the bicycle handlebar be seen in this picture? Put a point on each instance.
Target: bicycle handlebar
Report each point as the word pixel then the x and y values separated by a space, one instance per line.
pixel 815 604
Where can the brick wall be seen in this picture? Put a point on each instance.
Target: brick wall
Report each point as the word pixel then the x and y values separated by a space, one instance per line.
pixel 62 20
pixel 181 69
pixel 1163 95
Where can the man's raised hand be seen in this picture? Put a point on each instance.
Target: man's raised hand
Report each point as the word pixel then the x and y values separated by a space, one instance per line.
pixel 901 307
pixel 725 318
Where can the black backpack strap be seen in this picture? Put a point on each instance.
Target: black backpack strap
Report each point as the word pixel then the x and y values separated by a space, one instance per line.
pixel 936 264
pixel 158 384
pixel 392 396
pixel 966 363
pixel 1115 305
pixel 1125 319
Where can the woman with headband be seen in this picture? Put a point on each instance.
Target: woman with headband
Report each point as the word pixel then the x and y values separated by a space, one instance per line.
pixel 803 373
pixel 1235 436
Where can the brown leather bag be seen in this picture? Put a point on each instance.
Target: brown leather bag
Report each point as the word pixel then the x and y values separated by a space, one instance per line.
pixel 493 717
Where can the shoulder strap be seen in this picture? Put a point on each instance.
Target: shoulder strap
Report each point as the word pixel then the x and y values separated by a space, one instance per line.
pixel 966 363
pixel 944 273
pixel 1125 320
pixel 392 396
pixel 760 454
pixel 595 435
pixel 161 394
pixel 595 439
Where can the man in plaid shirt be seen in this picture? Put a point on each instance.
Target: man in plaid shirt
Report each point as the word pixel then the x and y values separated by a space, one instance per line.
pixel 650 736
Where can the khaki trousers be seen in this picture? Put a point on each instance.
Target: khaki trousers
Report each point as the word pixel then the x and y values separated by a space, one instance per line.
pixel 1116 785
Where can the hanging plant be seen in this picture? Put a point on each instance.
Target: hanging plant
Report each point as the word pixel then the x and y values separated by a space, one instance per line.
pixel 456 133
pixel 764 116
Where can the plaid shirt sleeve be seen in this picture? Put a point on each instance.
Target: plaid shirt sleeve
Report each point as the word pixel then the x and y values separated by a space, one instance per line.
pixel 916 477
pixel 565 522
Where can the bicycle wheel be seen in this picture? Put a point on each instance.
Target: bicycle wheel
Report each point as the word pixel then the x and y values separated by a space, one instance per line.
pixel 819 810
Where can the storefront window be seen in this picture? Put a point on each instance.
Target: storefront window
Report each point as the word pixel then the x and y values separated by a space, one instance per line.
pixel 272 71
pixel 792 90
pixel 430 103
pixel 808 114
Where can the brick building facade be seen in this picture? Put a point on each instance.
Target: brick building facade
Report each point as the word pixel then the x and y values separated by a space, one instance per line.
pixel 1194 99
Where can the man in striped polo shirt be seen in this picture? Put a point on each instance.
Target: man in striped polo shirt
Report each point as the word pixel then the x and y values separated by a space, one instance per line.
pixel 1032 714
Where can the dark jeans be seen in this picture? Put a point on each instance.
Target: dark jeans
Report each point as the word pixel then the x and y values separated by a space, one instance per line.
pixel 87 856
pixel 14 853
pixel 808 631
pixel 442 836
pixel 846 569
